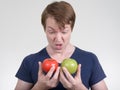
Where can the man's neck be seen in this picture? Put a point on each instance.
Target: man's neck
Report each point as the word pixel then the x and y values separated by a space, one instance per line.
pixel 62 54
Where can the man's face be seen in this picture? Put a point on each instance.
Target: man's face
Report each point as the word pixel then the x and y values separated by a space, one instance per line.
pixel 58 38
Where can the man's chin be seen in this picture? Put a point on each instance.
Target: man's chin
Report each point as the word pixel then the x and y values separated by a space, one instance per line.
pixel 58 49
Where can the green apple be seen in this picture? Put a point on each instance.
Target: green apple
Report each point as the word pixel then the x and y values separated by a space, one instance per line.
pixel 70 64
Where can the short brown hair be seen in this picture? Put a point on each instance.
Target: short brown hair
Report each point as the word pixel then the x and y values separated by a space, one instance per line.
pixel 61 11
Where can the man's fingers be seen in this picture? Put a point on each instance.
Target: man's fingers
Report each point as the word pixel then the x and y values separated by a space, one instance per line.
pixel 78 74
pixel 50 72
pixel 63 79
pixel 40 67
pixel 56 75
pixel 68 75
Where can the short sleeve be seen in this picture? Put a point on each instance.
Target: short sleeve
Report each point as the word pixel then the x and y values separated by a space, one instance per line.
pixel 97 71
pixel 24 71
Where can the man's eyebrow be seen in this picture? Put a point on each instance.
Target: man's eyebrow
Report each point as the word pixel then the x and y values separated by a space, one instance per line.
pixel 50 27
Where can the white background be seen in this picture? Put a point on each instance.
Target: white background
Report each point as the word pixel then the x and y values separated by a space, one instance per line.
pixel 97 29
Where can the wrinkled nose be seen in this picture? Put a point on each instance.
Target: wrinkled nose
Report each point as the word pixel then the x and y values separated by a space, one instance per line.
pixel 58 37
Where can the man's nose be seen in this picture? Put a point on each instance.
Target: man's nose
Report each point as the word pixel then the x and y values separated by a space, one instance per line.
pixel 58 37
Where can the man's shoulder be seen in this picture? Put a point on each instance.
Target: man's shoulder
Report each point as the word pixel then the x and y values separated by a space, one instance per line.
pixel 38 56
pixel 83 51
pixel 80 53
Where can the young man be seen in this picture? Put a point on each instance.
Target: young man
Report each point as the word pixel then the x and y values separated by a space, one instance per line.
pixel 58 20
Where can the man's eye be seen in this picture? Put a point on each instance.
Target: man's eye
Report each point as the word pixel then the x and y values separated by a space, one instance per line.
pixel 51 32
pixel 64 32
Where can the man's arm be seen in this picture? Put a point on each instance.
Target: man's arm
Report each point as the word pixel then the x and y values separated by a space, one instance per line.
pixel 99 86
pixel 22 85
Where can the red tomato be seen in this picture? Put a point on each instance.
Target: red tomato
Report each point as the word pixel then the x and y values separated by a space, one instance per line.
pixel 48 63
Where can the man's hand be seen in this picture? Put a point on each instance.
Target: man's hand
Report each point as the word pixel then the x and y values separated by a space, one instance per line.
pixel 70 82
pixel 47 81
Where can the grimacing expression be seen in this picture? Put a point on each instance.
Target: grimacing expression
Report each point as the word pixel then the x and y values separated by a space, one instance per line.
pixel 58 37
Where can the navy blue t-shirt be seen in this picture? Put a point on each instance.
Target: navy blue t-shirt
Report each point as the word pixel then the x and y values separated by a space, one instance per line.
pixel 91 70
